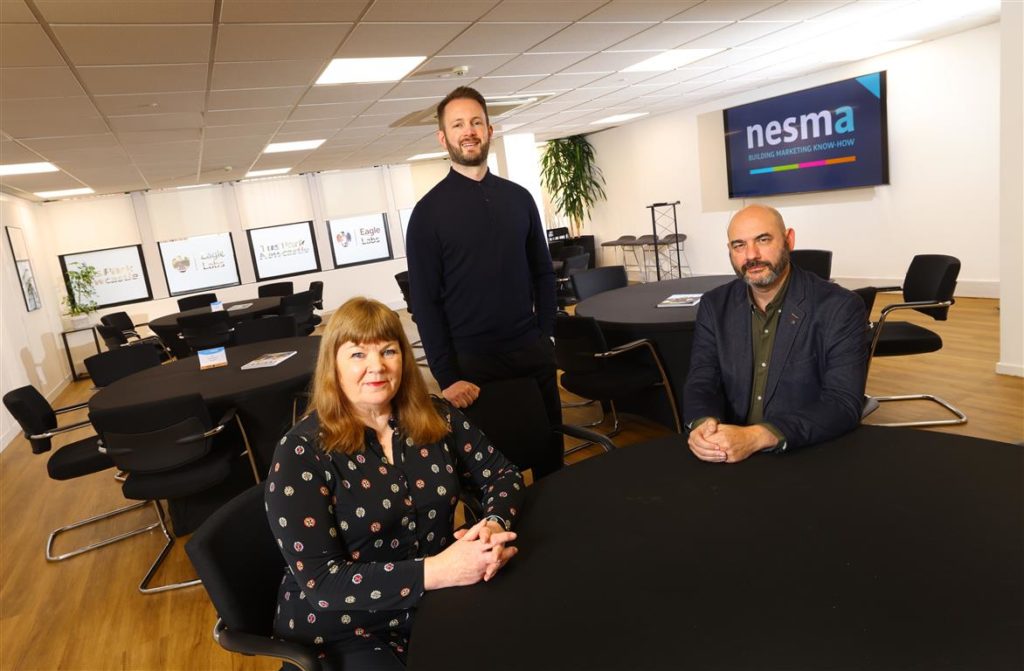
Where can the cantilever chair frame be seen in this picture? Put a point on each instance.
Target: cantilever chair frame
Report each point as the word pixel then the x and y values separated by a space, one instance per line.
pixel 873 401
pixel 95 518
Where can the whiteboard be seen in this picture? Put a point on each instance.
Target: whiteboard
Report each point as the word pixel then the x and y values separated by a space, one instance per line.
pixel 361 239
pixel 198 263
pixel 120 274
pixel 283 250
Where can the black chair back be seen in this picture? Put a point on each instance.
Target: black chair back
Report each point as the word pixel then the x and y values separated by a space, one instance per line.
pixel 113 337
pixel 520 433
pixel 817 261
pixel 118 320
pixel 155 437
pixel 300 307
pixel 206 329
pixel 577 339
pixel 565 251
pixel 588 283
pixel 931 277
pixel 196 301
pixel 402 279
pixel 276 289
pixel 107 367
pixel 570 266
pixel 316 288
pixel 267 328
pixel 169 336
pixel 34 413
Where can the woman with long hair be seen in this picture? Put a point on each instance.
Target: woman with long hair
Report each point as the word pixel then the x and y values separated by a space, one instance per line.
pixel 362 492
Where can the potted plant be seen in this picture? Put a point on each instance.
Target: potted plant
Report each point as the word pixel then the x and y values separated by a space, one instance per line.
pixel 80 301
pixel 570 174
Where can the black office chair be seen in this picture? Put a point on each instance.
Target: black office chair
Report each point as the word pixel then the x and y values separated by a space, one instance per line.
pixel 817 261
pixel 591 369
pixel 402 279
pixel 317 289
pixel 241 566
pixel 115 338
pixel 196 301
pixel 300 307
pixel 130 333
pixel 267 328
pixel 588 283
pixel 168 451
pixel 275 289
pixel 107 367
pixel 170 337
pixel 206 329
pixel 928 288
pixel 511 414
pixel 38 420
pixel 563 252
pixel 564 293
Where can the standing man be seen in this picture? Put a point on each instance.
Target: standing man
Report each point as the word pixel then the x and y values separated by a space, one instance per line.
pixel 779 356
pixel 483 290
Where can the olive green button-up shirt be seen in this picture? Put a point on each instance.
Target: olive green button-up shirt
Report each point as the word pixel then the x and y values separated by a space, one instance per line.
pixel 763 327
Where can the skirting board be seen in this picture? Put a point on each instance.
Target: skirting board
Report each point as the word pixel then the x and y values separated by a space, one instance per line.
pixel 1014 369
pixel 964 288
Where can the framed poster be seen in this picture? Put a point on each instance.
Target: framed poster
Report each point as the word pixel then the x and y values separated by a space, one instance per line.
pixel 121 276
pixel 23 266
pixel 199 263
pixel 358 240
pixel 283 250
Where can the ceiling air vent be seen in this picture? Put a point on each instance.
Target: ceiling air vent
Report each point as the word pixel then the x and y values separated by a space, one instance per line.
pixel 496 107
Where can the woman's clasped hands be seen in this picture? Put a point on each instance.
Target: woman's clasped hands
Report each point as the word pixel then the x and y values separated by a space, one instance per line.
pixel 478 553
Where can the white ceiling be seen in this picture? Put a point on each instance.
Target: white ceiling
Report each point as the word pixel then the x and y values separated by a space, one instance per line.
pixel 125 95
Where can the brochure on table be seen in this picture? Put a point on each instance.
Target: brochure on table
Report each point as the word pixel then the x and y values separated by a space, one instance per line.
pixel 680 301
pixel 268 360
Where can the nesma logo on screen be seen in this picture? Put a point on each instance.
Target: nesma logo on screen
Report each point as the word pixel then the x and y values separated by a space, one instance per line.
pixel 810 125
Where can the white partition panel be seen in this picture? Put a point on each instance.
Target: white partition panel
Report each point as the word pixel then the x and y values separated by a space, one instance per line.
pixel 92 223
pixel 353 192
pixel 268 202
pixel 183 213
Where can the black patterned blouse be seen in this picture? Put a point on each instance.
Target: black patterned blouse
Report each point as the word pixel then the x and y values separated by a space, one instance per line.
pixel 355 529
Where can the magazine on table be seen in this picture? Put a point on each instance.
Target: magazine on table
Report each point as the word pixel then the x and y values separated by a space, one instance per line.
pixel 680 301
pixel 268 360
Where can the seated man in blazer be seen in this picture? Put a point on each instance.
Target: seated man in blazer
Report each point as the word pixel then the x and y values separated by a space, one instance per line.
pixel 779 355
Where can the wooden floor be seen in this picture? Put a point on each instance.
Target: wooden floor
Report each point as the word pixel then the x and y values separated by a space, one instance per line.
pixel 85 613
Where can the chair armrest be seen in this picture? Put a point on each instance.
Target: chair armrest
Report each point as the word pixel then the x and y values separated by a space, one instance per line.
pixel 70 408
pixel 251 644
pixel 220 426
pixel 586 434
pixel 627 347
pixel 912 305
pixel 880 289
pixel 59 430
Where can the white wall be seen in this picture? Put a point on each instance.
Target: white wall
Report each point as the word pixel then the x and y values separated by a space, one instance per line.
pixel 943 197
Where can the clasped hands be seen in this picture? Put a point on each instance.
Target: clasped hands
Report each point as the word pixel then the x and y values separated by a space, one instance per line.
pixel 478 553
pixel 728 443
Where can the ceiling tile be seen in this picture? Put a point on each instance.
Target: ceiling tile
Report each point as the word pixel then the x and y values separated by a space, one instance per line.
pixel 156 122
pixel 736 35
pixel 317 128
pixel 292 11
pixel 123 79
pixel 534 64
pixel 799 10
pixel 278 42
pixel 532 10
pixel 563 82
pixel 12 152
pixel 608 61
pixel 94 156
pixel 498 86
pixel 135 11
pixel 216 118
pixel 478 64
pixel 54 124
pixel 26 45
pixel 248 98
pixel 427 87
pixel 56 146
pixel 133 140
pixel 47 181
pixel 502 38
pixel 734 10
pixel 15 11
pixel 370 40
pixel 346 93
pixel 328 111
pixel 214 133
pixel 151 103
pixel 260 74
pixel 38 83
pixel 436 10
pixel 669 35
pixel 135 45
pixel 403 106
pixel 639 10
pixel 590 36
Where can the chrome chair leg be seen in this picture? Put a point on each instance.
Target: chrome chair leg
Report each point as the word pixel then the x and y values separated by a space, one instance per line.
pixel 144 585
pixel 611 434
pixel 959 418
pixel 98 544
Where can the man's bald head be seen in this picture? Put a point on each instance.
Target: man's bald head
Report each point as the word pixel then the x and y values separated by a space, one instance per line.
pixel 762 214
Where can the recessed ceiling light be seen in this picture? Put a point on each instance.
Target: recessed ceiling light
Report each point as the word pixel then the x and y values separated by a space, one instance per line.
pixel 267 173
pixel 421 157
pixel 64 192
pixel 278 147
pixel 619 118
pixel 26 168
pixel 671 59
pixel 192 186
pixel 356 70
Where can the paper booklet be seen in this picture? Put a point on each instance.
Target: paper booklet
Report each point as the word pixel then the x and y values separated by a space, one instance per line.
pixel 680 301
pixel 268 360
pixel 240 306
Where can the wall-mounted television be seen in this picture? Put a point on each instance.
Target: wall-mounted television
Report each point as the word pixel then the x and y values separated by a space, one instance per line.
pixel 121 276
pixel 283 250
pixel 199 263
pixel 827 137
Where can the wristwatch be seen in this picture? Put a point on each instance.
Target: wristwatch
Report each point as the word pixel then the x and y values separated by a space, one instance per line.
pixel 500 520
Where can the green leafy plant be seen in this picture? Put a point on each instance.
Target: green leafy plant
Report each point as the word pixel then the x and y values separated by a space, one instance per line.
pixel 570 174
pixel 81 296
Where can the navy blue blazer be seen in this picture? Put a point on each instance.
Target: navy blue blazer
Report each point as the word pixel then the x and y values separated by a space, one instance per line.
pixel 817 370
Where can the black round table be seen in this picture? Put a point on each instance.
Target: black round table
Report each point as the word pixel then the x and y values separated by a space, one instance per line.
pixel 631 313
pixel 263 396
pixel 255 307
pixel 888 548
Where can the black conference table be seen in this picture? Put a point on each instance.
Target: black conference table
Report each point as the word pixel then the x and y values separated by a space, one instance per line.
pixel 886 549
pixel 631 313
pixel 166 327
pixel 262 397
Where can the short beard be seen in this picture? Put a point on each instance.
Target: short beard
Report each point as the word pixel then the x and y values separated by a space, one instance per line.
pixel 774 271
pixel 456 155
